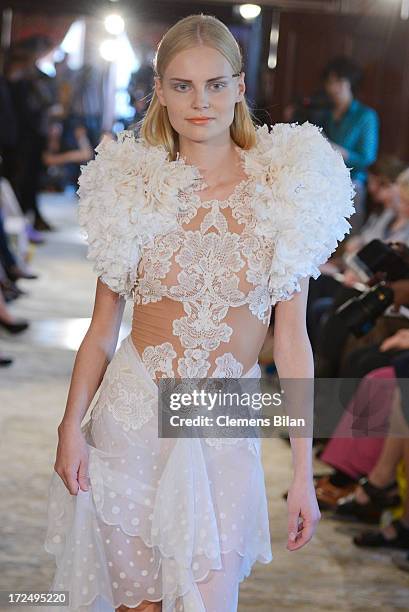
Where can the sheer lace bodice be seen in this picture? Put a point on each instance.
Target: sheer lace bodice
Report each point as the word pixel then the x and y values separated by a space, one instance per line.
pixel 202 305
pixel 204 274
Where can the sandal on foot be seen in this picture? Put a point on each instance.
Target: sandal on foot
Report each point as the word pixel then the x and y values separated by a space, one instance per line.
pixel 379 495
pixel 349 509
pixel 377 539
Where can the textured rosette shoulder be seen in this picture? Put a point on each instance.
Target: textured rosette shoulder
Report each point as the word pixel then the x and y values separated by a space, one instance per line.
pixel 304 198
pixel 127 196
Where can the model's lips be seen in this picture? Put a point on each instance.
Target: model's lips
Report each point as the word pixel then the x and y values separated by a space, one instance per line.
pixel 200 120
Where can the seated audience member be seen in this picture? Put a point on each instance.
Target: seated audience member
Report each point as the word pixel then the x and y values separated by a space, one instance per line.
pixel 381 483
pixel 331 334
pixel 13 325
pixel 384 192
pixel 360 436
pixel 14 270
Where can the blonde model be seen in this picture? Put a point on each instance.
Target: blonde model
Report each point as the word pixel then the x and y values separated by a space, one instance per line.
pixel 205 222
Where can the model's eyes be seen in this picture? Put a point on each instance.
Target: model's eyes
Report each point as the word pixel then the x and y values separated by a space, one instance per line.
pixel 218 86
pixel 213 86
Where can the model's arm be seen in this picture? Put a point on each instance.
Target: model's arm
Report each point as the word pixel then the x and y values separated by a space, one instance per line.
pixel 93 356
pixel 294 360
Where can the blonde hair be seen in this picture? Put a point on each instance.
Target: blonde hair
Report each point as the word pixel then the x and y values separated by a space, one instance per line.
pixel 189 32
pixel 403 182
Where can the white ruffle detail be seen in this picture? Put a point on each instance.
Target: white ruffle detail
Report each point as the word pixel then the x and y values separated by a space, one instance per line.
pixel 128 195
pixel 304 197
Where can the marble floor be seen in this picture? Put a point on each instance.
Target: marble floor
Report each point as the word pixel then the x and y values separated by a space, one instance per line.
pixel 329 574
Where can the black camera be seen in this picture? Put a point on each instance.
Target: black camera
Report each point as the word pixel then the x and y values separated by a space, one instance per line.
pixel 360 313
pixel 311 108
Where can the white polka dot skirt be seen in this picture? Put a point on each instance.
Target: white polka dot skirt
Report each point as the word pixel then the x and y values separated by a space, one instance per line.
pixel 178 521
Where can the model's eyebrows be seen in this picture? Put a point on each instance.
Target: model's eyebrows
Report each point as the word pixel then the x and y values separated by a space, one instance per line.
pixel 208 80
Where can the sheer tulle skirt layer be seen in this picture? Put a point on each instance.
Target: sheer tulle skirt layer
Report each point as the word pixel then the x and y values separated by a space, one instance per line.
pixel 180 521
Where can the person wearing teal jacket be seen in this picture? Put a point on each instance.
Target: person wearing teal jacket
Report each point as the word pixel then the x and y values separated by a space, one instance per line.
pixel 352 127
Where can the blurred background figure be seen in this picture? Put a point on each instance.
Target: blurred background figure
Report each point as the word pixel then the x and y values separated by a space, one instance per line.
pixel 32 93
pixel 351 126
pixel 139 90
pixel 88 100
pixel 68 146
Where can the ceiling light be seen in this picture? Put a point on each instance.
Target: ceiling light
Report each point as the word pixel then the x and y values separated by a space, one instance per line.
pixel 249 11
pixel 114 24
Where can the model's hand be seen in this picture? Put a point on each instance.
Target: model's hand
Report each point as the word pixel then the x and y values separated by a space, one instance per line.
pixel 71 463
pixel 399 341
pixel 350 278
pixel 329 268
pixel 303 512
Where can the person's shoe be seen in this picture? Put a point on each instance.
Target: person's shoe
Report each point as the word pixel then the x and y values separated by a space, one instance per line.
pixel 329 494
pixel 380 498
pixel 377 539
pixel 34 236
pixel 10 290
pixel 5 361
pixel 15 272
pixel 16 327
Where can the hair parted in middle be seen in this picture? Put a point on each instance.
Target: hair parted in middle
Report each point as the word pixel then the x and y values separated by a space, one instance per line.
pixel 189 32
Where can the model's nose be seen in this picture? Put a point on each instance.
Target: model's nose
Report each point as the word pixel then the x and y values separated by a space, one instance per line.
pixel 200 100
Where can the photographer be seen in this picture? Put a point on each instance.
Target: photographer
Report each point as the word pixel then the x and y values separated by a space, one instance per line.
pixel 351 126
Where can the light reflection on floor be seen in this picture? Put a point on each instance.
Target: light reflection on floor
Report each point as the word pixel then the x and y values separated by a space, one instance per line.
pixel 63 333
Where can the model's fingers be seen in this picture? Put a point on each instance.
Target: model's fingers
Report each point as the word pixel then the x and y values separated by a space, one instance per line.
pixel 71 483
pixel 83 479
pixel 293 525
pixel 305 536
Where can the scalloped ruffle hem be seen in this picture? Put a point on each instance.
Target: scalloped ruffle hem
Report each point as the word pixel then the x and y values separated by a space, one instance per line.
pixel 168 520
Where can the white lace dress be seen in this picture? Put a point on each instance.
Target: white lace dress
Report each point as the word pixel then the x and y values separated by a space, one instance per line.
pixel 182 521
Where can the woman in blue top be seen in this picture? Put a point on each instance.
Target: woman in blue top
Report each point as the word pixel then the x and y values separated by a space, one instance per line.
pixel 352 127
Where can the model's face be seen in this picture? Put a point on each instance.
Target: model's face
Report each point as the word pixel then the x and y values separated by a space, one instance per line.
pixel 337 89
pixel 198 82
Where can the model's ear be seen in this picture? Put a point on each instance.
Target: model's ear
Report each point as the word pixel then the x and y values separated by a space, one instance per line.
pixel 159 90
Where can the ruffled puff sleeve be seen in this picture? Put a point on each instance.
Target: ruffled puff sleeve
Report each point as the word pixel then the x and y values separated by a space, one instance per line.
pixel 117 212
pixel 128 196
pixel 305 197
pixel 104 216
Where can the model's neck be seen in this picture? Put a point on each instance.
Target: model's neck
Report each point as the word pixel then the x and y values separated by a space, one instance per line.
pixel 214 159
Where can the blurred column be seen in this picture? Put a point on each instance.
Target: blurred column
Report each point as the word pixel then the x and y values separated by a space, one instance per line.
pixel 108 117
pixel 254 52
pixel 5 41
